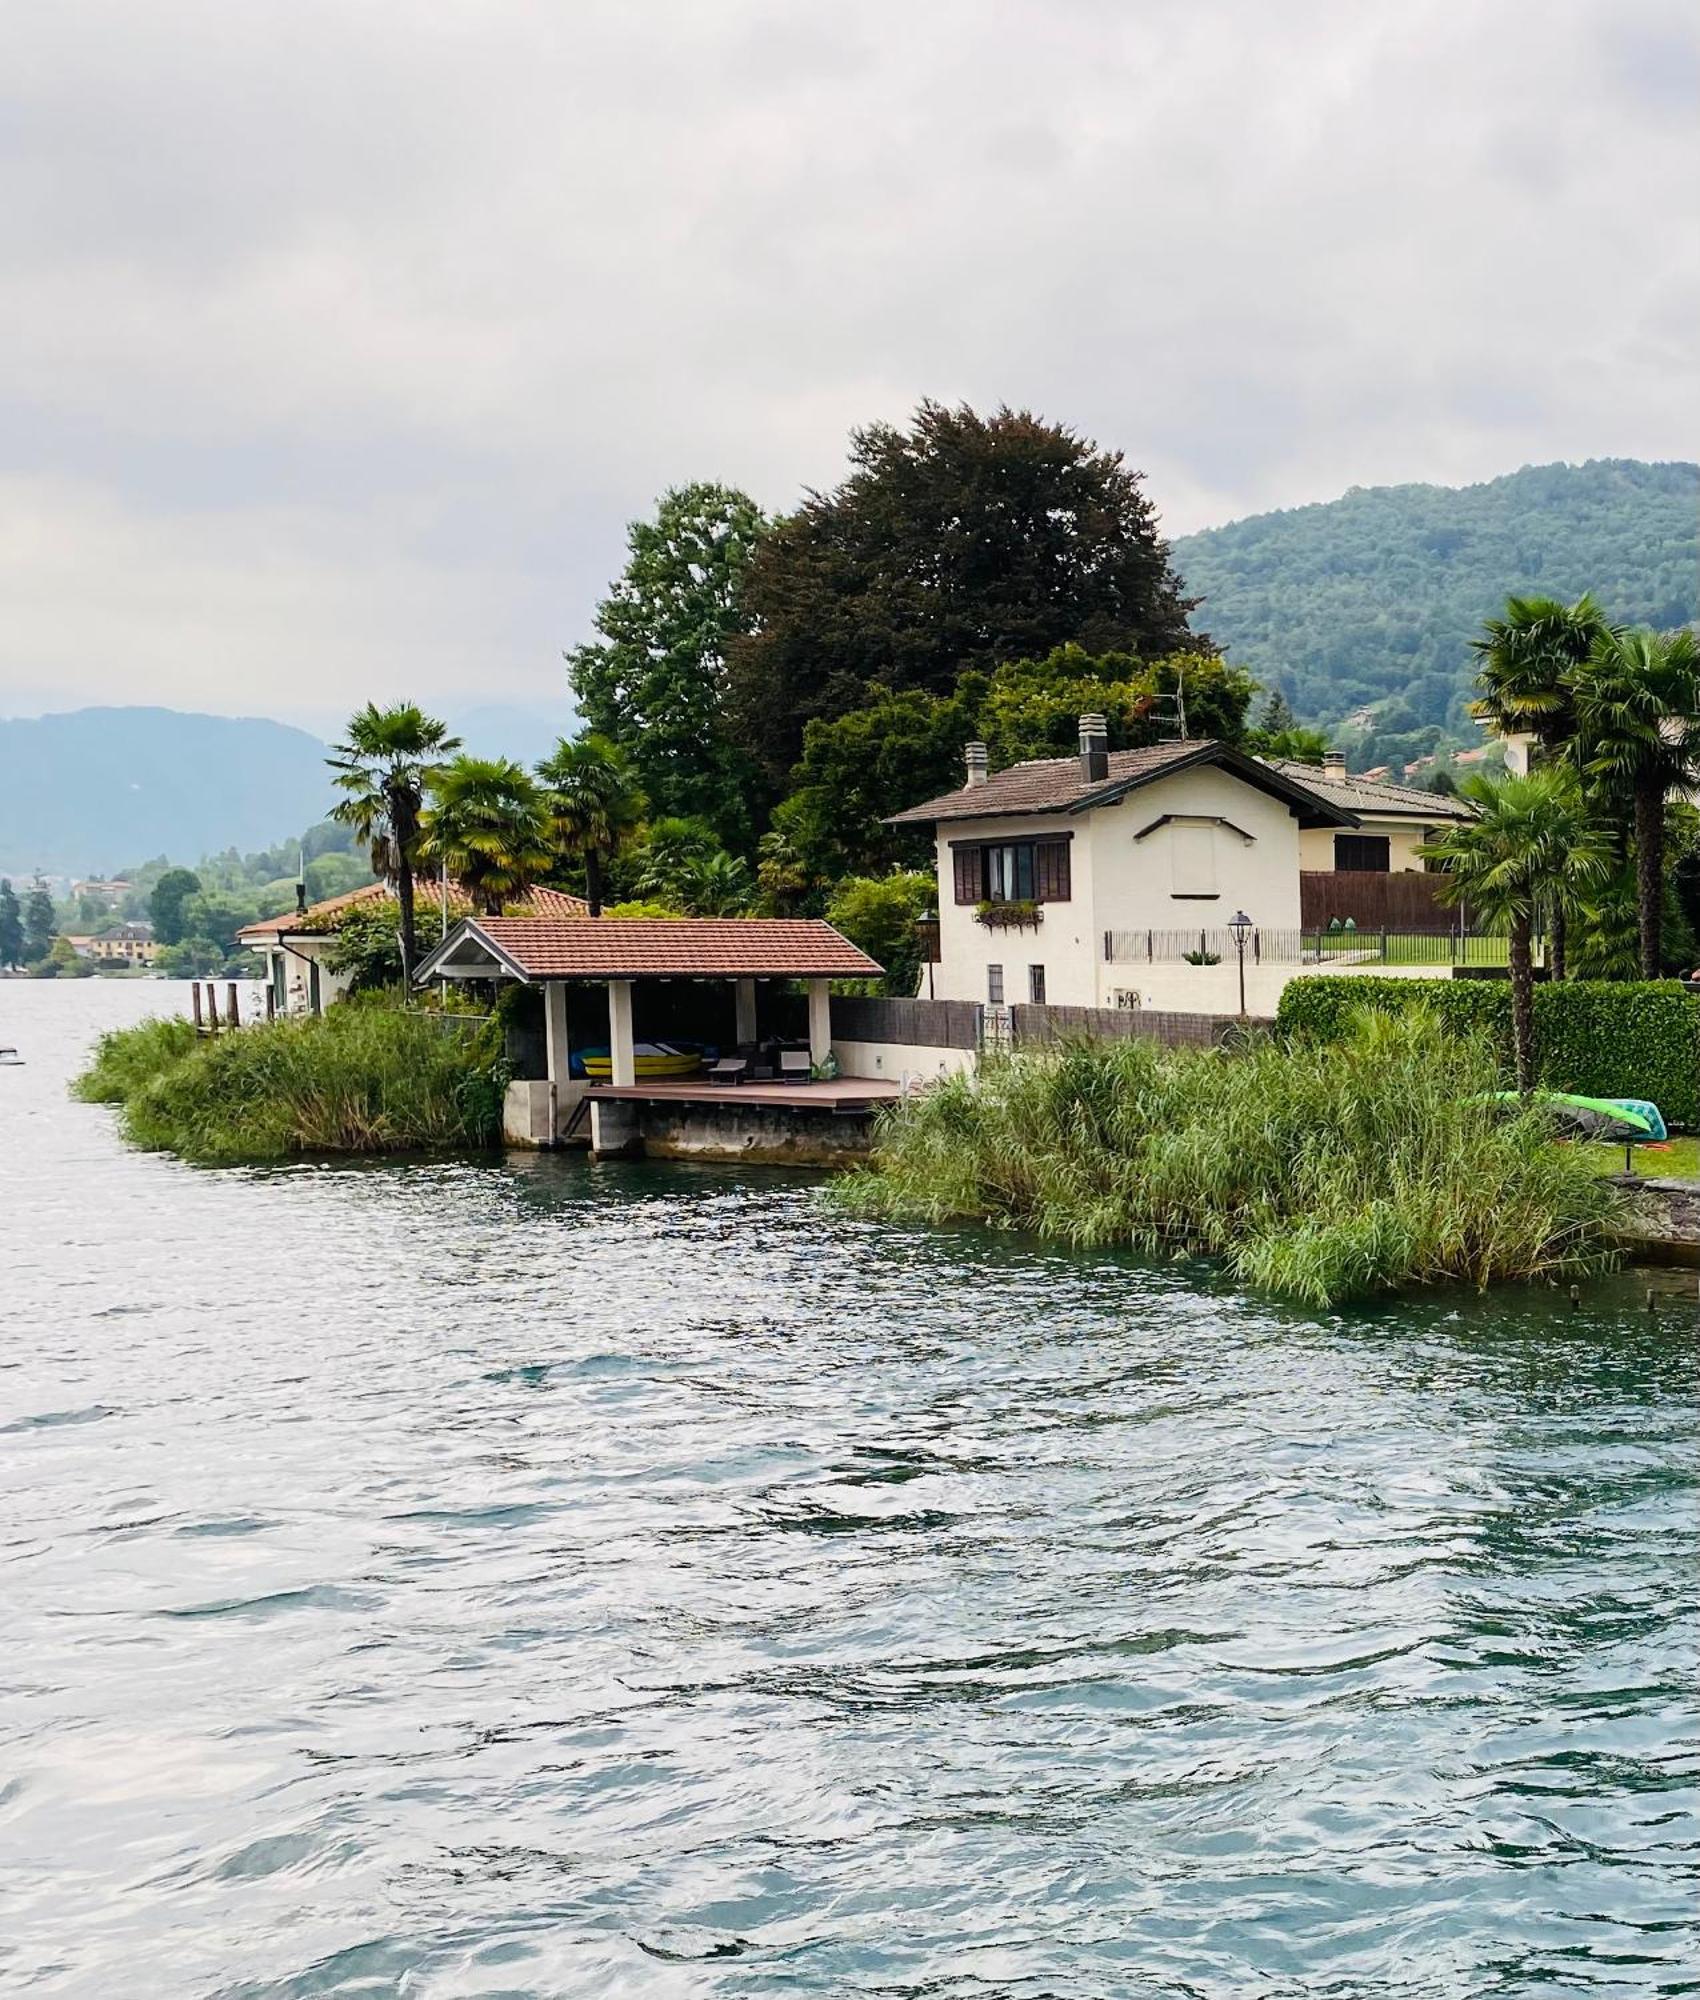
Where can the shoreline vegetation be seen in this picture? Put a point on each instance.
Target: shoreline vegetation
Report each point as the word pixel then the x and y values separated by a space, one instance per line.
pixel 366 1076
pixel 1318 1175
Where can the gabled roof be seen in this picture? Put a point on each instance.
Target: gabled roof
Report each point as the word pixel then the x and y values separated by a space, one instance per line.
pixel 648 948
pixel 321 917
pixel 1369 797
pixel 1056 785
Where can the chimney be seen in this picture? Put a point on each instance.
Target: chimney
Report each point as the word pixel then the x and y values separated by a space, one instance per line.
pixel 975 758
pixel 1094 749
pixel 1333 763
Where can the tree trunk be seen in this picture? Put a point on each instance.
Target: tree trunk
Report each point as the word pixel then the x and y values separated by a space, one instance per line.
pixel 593 879
pixel 1559 936
pixel 403 832
pixel 1650 871
pixel 1522 1004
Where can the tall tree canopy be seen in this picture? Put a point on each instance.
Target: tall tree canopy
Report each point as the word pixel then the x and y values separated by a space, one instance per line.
pixel 165 905
pixel 11 928
pixel 594 804
pixel 487 824
pixel 954 545
pixel 655 683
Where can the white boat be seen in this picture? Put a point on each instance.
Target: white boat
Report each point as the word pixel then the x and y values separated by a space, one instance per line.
pixel 10 1059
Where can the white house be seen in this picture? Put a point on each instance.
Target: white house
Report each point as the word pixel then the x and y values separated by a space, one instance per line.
pixel 1394 821
pixel 1083 881
pixel 296 946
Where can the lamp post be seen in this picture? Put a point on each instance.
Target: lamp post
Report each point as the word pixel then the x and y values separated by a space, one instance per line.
pixel 1240 924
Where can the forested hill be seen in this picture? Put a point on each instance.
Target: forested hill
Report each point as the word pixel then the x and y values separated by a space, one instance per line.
pixel 1373 598
pixel 86 792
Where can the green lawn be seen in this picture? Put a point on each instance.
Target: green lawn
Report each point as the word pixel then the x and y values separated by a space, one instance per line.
pixel 1406 949
pixel 1675 1160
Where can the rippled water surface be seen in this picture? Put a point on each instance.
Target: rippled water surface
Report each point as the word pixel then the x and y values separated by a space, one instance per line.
pixel 529 1578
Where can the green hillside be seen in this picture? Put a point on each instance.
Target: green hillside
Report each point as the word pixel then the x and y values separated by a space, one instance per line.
pixel 1372 598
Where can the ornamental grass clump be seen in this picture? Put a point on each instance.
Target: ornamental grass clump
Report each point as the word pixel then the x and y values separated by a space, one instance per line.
pixel 1320 1174
pixel 364 1077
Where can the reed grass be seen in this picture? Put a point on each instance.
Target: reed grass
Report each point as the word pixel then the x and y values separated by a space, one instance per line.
pixel 364 1077
pixel 1318 1174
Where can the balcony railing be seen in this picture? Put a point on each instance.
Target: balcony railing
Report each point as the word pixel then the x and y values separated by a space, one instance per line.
pixel 1346 948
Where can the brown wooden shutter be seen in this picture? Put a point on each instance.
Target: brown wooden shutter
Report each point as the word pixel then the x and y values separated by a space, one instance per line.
pixel 1051 872
pixel 967 874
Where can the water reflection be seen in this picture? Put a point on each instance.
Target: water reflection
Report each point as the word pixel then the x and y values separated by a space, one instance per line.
pixel 529 1578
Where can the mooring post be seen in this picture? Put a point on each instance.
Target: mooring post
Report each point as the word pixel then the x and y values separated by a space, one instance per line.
pixel 233 1006
pixel 271 1001
pixel 212 1006
pixel 195 1003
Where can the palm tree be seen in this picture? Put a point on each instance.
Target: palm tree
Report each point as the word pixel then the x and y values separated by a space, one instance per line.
pixel 486 825
pixel 590 792
pixel 1528 661
pixel 716 885
pixel 1638 731
pixel 384 763
pixel 1532 839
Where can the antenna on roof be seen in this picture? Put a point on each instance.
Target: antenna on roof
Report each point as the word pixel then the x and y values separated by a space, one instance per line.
pixel 301 880
pixel 1175 704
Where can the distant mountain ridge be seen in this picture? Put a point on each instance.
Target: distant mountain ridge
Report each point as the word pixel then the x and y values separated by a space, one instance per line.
pixel 101 788
pixel 1374 597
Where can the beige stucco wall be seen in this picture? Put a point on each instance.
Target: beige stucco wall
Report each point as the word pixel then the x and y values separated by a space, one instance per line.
pixel 1404 844
pixel 1179 988
pixel 332 985
pixel 1063 943
pixel 896 1060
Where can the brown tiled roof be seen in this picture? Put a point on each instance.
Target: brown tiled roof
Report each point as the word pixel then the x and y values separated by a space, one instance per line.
pixel 321 917
pixel 1056 784
pixel 670 947
pixel 1367 795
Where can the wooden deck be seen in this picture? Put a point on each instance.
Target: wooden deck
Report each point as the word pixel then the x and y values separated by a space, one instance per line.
pixel 846 1093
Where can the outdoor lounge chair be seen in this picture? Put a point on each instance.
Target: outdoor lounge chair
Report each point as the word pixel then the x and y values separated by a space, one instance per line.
pixel 795 1066
pixel 729 1069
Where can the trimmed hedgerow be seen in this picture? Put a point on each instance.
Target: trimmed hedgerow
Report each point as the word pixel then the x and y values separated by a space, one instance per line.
pixel 1603 1038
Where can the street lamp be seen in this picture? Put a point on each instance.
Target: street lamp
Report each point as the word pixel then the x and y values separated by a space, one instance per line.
pixel 1240 924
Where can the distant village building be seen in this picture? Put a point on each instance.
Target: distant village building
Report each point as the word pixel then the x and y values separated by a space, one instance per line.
pixel 126 944
pixel 110 893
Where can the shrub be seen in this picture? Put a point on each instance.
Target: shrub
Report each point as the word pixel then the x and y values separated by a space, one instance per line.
pixel 361 1078
pixel 1602 1038
pixel 1321 1172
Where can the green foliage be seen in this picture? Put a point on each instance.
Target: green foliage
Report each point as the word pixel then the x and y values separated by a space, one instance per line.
pixel 191 958
pixel 360 1078
pixel 39 922
pixel 680 863
pixel 1600 1038
pixel 1013 915
pixel 219 914
pixel 955 544
pixel 593 803
pixel 488 824
pixel 1317 1173
pixel 1379 595
pixel 11 928
pixel 880 914
pixel 656 682
pixel 63 958
pixel 368 943
pixel 165 905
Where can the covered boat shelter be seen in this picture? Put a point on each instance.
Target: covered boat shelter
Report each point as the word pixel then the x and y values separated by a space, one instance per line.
pixel 621 954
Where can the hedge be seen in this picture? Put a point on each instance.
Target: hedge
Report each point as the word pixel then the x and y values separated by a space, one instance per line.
pixel 1602 1038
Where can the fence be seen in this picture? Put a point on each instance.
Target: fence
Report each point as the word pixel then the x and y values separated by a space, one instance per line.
pixel 1397 901
pixel 1306 947
pixel 964 1024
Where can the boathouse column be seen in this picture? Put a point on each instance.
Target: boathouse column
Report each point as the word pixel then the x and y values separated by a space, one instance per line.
pixel 820 1020
pixel 555 1032
pixel 620 1049
pixel 746 1011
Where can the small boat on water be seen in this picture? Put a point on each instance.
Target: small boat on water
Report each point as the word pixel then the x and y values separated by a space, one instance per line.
pixel 10 1059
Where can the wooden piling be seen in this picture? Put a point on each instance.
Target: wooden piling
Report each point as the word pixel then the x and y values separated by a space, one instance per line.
pixel 212 1007
pixel 195 1003
pixel 233 1007
pixel 271 1001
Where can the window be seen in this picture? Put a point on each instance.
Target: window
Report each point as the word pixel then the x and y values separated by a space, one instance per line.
pixel 1361 853
pixel 994 985
pixel 1036 985
pixel 1012 871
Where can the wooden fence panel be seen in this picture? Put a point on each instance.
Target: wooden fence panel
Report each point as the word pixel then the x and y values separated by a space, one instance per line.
pixel 934 1024
pixel 1034 1026
pixel 1393 902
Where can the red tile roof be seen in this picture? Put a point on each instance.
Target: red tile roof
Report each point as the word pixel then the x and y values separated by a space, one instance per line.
pixel 321 917
pixel 671 947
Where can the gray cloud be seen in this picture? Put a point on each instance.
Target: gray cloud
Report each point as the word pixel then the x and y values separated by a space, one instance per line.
pixel 339 342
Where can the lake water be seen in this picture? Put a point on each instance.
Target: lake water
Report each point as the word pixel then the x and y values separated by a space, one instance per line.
pixel 521 1577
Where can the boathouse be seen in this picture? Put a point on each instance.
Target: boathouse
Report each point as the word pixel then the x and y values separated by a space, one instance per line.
pixel 770 1085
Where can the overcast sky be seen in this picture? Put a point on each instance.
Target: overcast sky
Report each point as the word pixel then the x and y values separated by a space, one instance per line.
pixel 339 339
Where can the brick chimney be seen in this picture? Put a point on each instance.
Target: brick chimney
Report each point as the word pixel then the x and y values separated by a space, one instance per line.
pixel 974 756
pixel 1333 763
pixel 1094 749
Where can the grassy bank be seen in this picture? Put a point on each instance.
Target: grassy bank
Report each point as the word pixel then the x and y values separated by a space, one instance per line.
pixel 361 1078
pixel 1319 1174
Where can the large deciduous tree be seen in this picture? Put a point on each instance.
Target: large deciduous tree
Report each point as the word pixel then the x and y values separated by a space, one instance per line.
pixel 594 804
pixel 383 765
pixel 955 544
pixel 1637 703
pixel 165 904
pixel 486 822
pixel 655 682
